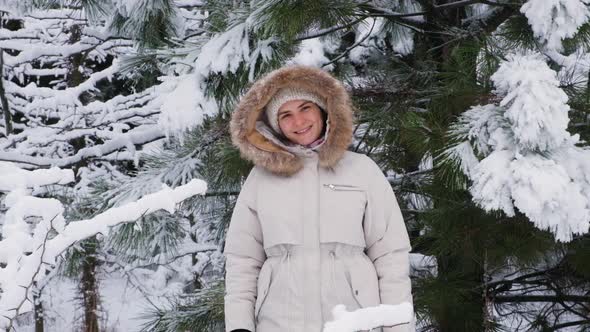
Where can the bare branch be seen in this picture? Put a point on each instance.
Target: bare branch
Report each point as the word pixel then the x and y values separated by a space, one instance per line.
pixel 328 31
pixel 351 47
pixel 570 324
pixel 406 19
pixel 457 4
pixel 540 298
pixel 32 281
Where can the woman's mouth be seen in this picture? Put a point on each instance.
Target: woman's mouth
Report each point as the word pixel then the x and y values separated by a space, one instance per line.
pixel 303 131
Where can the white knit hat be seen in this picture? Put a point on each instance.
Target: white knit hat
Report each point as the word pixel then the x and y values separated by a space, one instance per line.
pixel 284 95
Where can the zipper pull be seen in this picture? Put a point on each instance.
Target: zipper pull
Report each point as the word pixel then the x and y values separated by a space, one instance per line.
pixel 342 187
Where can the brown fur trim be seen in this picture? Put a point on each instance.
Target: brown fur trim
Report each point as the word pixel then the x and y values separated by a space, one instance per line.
pixel 262 152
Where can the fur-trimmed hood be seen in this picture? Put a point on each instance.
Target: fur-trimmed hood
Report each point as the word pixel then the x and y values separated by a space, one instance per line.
pixel 265 152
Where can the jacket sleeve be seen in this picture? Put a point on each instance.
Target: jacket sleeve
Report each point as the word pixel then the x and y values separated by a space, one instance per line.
pixel 244 255
pixel 388 244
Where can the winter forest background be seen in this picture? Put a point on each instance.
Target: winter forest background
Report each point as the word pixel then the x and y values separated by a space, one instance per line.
pixel 117 175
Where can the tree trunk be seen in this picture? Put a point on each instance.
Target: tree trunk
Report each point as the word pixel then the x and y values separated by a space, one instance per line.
pixel 38 311
pixel 3 99
pixel 468 313
pixel 196 284
pixel 89 290
pixel 88 282
pixel 466 310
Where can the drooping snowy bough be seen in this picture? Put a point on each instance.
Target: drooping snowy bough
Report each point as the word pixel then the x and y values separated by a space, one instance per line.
pixel 27 257
pixel 555 20
pixel 519 154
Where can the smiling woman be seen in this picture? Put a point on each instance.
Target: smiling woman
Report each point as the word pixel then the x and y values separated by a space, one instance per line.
pixel 301 121
pixel 297 115
pixel 314 225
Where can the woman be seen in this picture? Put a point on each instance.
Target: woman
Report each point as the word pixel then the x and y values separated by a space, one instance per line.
pixel 315 225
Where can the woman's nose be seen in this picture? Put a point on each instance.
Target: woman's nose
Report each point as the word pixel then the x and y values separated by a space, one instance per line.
pixel 298 119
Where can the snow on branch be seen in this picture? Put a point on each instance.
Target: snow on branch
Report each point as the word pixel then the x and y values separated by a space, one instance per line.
pixel 52 98
pixel 369 318
pixel 138 136
pixel 535 105
pixel 27 266
pixel 555 20
pixel 178 113
pixel 519 154
pixel 222 54
pixel 30 54
pixel 12 177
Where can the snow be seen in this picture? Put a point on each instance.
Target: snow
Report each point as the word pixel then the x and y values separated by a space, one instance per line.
pixel 30 54
pixel 529 161
pixel 463 153
pixel 262 53
pixel 225 52
pixel 546 193
pixel 137 12
pixel 516 150
pixel 21 270
pixel 53 98
pixel 311 53
pixel 187 3
pixel 124 300
pixel 369 318
pixel 491 187
pixel 78 125
pixel 188 103
pixel 535 105
pixel 184 107
pixel 366 29
pixel 421 264
pixel 127 140
pixel 126 7
pixel 373 35
pixel 403 41
pixel 555 20
pixel 12 177
pixel 17 238
pixel 15 230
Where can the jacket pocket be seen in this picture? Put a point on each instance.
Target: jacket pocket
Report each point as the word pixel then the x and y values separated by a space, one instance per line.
pixel 364 283
pixel 263 286
pixel 342 208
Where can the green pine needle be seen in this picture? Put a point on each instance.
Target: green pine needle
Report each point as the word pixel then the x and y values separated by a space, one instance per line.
pixel 198 312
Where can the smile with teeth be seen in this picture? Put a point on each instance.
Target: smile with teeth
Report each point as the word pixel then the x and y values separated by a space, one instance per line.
pixel 303 131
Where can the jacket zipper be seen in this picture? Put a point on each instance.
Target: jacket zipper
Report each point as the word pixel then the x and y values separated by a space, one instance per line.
pixel 342 187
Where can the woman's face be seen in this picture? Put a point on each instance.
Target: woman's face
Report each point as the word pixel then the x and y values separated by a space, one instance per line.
pixel 301 121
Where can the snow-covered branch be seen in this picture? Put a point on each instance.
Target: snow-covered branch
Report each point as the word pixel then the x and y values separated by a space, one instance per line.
pixel 21 265
pixel 553 21
pixel 528 160
pixel 127 140
pixel 12 177
pixel 185 250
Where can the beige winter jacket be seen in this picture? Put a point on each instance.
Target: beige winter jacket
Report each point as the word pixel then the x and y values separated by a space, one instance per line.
pixel 311 229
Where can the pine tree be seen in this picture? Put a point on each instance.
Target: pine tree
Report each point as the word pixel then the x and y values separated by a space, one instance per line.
pixel 73 104
pixel 437 90
pixel 414 67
